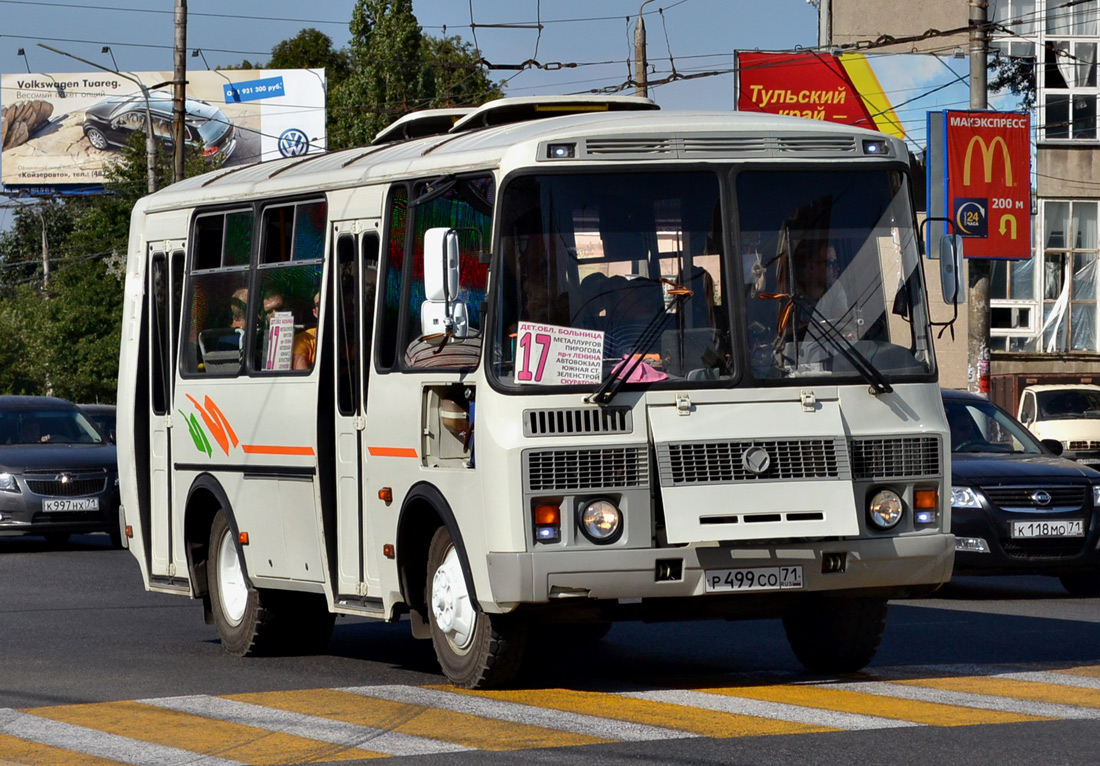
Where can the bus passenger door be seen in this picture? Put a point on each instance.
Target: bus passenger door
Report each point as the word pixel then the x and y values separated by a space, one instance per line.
pixel 165 299
pixel 353 287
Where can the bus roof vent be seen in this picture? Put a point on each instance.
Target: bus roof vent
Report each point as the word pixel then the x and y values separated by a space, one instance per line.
pixel 617 146
pixel 724 145
pixel 817 144
pixel 508 110
pixel 426 122
pixel 577 420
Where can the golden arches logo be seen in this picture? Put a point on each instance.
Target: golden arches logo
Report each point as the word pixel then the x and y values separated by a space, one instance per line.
pixel 987 159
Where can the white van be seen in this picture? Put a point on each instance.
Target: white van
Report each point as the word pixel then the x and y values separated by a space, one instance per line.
pixel 1069 413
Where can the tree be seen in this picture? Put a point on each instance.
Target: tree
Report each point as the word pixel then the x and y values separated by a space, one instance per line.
pixel 455 75
pixel 387 77
pixel 311 49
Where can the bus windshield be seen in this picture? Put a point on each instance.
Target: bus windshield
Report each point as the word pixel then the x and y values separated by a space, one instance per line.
pixel 627 275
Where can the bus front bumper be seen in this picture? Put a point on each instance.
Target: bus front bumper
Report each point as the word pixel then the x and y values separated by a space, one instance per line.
pixel 892 567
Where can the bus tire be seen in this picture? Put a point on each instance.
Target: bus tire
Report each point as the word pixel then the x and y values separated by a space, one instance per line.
pixel 475 650
pixel 835 635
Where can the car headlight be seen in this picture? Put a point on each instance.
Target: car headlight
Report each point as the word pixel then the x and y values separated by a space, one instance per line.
pixel 7 483
pixel 965 497
pixel 885 509
pixel 1096 496
pixel 601 521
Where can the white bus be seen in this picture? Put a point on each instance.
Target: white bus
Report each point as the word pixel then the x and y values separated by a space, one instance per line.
pixel 551 362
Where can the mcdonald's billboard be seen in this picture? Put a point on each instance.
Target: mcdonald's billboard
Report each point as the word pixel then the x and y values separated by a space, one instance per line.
pixel 987 181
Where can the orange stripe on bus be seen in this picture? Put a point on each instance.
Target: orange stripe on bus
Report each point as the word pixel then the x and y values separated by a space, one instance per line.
pixel 272 449
pixel 392 451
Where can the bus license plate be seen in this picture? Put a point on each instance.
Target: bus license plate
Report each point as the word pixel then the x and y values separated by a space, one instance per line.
pixel 761 578
pixel 75 504
pixel 1073 528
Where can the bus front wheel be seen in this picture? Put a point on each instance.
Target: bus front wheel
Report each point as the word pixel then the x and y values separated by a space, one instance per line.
pixel 835 635
pixel 475 650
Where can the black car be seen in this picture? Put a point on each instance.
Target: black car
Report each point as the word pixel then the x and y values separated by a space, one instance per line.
pixel 1016 506
pixel 103 416
pixel 58 472
pixel 112 121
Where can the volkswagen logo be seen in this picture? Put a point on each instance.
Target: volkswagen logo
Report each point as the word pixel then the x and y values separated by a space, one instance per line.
pixel 756 460
pixel 293 142
pixel 1041 497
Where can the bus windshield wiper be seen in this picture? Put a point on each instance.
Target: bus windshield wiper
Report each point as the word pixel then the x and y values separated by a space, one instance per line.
pixel 825 331
pixel 618 374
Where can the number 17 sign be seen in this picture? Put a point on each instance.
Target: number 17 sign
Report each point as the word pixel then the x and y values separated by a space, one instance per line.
pixel 549 355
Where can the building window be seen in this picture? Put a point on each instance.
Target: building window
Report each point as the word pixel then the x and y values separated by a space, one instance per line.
pixel 1069 277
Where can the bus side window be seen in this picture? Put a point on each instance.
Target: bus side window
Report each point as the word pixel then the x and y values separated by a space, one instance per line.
pixel 292 258
pixel 467 202
pixel 217 293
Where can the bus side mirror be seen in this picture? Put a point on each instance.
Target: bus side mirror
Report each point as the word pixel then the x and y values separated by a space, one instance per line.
pixel 951 271
pixel 441 311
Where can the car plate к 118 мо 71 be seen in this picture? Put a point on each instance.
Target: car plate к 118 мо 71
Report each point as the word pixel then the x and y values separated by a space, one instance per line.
pixel 760 578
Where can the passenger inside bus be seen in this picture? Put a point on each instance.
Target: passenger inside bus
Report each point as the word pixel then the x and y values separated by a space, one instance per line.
pixel 305 342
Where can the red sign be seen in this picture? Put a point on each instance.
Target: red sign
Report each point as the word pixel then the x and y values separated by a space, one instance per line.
pixel 810 85
pixel 989 181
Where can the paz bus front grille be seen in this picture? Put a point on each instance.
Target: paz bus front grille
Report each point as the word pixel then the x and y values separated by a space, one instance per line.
pixel 895 457
pixel 722 462
pixel 574 470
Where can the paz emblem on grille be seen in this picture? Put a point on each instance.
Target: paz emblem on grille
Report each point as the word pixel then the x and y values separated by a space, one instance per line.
pixel 756 460
pixel 1041 497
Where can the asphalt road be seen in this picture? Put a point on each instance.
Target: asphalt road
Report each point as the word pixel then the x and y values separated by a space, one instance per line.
pixel 997 670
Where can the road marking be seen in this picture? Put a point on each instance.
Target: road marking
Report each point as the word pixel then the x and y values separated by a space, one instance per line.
pixel 457 725
pixel 205 736
pixel 89 741
pixel 577 723
pixel 303 725
pixel 367 722
pixel 730 701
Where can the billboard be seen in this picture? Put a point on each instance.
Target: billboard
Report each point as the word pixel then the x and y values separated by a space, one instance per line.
pixel 984 163
pixel 818 86
pixel 63 130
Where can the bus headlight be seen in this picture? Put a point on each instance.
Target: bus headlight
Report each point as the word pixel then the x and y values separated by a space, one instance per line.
pixel 885 509
pixel 601 521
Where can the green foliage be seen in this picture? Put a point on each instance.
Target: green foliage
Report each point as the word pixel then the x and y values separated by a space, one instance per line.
pixel 1015 74
pixel 395 70
pixel 311 49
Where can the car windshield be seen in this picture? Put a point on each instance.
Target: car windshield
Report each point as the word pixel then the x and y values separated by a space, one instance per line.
pixel 1069 403
pixel 983 427
pixel 47 426
pixel 628 276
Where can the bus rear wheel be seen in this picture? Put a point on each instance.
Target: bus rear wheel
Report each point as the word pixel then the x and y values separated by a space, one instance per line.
pixel 253 621
pixel 475 650
pixel 835 635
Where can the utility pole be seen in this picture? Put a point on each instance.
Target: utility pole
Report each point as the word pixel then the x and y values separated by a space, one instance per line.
pixel 179 89
pixel 640 82
pixel 979 269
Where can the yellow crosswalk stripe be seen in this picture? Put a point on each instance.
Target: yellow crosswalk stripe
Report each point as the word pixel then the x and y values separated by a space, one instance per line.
pixel 1004 687
pixel 200 735
pixel 915 711
pixel 418 720
pixel 20 752
pixel 706 723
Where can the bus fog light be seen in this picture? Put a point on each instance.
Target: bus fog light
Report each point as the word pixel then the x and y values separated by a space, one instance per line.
pixel 885 509
pixel 601 521
pixel 971 545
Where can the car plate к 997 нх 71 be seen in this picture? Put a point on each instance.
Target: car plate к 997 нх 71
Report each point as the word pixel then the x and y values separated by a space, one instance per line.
pixel 759 578
pixel 1067 528
pixel 74 504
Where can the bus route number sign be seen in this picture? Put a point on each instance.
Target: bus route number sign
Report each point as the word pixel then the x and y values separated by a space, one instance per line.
pixel 550 355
